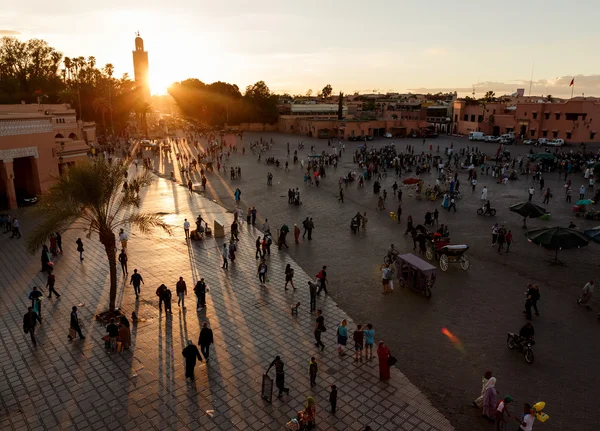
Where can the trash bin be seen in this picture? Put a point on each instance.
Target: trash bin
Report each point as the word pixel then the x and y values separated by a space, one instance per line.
pixel 219 228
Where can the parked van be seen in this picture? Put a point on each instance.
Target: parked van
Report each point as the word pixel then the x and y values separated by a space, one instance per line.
pixel 542 141
pixel 508 137
pixel 476 136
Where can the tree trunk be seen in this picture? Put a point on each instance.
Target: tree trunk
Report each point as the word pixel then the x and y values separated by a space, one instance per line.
pixel 109 242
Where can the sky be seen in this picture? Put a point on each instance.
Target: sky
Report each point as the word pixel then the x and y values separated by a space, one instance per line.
pixel 354 45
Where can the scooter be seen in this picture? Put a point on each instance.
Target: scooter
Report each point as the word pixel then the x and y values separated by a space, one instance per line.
pixel 514 341
pixel 485 211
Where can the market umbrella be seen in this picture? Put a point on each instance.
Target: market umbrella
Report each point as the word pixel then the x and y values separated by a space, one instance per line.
pixel 557 238
pixel 593 234
pixel 545 156
pixel 411 181
pixel 584 202
pixel 528 209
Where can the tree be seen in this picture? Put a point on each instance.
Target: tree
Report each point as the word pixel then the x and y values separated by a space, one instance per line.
pixel 309 92
pixel 89 198
pixel 490 96
pixel 326 92
pixel 341 106
pixel 549 98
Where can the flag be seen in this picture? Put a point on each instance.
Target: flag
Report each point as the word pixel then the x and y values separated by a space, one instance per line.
pixel 572 82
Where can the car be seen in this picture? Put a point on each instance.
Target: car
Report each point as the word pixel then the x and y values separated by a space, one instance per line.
pixel 529 142
pixel 541 141
pixel 369 137
pixel 27 200
pixel 555 143
pixel 432 135
pixel 388 135
pixel 489 138
pixel 476 136
pixel 352 138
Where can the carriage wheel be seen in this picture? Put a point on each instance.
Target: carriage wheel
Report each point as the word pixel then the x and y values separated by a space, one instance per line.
pixel 402 282
pixel 429 252
pixel 444 262
pixel 387 260
pixel 464 262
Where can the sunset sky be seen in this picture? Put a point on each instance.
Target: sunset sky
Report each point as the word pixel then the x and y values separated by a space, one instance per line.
pixel 352 45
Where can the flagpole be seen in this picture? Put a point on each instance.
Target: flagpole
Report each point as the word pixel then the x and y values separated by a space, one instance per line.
pixel 572 89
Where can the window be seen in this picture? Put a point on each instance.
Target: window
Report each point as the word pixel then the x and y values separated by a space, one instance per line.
pixel 532 132
pixel 568 135
pixel 473 117
pixel 555 134
pixel 525 114
pixel 547 115
pixel 291 127
pixel 534 115
pixel 480 118
pixel 557 116
pixel 456 118
pixel 494 111
pixel 592 134
pixel 545 133
pixel 466 117
pixel 571 117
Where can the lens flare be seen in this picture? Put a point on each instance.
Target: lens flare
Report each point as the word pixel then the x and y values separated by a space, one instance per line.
pixel 454 340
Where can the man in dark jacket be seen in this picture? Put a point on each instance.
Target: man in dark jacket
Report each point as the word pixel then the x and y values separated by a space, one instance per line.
pixel 205 340
pixel 30 319
pixel 181 290
pixel 200 291
pixel 190 353
pixel 75 323
pixel 123 262
pixel 279 376
pixel 161 292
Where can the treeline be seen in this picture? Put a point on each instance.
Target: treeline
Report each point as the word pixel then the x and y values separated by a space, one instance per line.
pixel 32 69
pixel 222 103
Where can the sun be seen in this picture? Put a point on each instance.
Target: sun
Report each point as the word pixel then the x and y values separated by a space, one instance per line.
pixel 159 83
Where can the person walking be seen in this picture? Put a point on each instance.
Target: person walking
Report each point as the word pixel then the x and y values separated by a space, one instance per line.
pixel 186 228
pixel 45 258
pixel 535 297
pixel 531 192
pixel 568 192
pixel 123 261
pixel 282 236
pixel 190 353
pixel 319 329
pixel 50 284
pixel 30 319
pixel 79 243
pixel 181 290
pixel 200 291
pixel 489 400
pixel 254 212
pixel 369 341
pixel 452 204
pixel 296 233
pixel 495 230
pixel 310 225
pixel 333 399
pixel 501 238
pixel 36 302
pixel 123 238
pixel 205 340
pixel 322 278
pixel 15 229
pixel 581 192
pixel 508 238
pixel 478 402
pixel 279 376
pixel 137 280
pixel 225 254
pixel 547 195
pixel 358 338
pixel 312 287
pixel 502 413
pixel 59 242
pixel 313 369
pixel 541 182
pixel 258 248
pixel 190 186
pixel 383 353
pixel 289 275
pixel 305 226
pixel 484 193
pixel 237 194
pixel 526 424
pixel 262 272
pixel 436 215
pixel 161 292
pixel 586 294
pixel 75 326
pixel 341 196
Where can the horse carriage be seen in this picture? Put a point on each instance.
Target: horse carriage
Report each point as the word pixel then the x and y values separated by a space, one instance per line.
pixel 440 249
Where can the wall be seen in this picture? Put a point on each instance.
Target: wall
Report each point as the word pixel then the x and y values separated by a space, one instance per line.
pixel 258 127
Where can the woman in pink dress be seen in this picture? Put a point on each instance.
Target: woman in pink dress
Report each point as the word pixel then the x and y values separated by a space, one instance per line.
pixel 383 353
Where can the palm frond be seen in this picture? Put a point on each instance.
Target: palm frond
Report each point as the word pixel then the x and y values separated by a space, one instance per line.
pixel 145 222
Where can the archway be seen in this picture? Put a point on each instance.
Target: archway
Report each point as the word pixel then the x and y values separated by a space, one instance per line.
pixel 73 136
pixel 59 136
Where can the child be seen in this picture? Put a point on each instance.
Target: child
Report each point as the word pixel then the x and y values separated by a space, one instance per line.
pixel 333 399
pixel 369 341
pixel 358 343
pixel 313 369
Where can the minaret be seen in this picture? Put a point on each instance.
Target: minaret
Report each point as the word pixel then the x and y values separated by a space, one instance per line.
pixel 140 68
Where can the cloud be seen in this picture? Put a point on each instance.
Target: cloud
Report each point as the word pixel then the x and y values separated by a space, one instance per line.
pixel 9 33
pixel 435 51
pixel 558 86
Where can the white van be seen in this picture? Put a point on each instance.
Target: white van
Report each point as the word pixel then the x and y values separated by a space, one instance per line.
pixel 476 136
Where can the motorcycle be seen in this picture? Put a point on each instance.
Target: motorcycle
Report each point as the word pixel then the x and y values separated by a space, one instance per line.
pixel 485 211
pixel 524 346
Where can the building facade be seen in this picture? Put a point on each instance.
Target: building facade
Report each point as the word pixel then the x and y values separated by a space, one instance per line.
pixel 571 120
pixel 141 69
pixel 37 143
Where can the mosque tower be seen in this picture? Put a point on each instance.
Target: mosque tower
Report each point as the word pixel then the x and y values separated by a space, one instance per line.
pixel 140 68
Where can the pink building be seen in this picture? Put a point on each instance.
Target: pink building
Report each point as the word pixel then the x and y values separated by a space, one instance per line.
pixel 571 120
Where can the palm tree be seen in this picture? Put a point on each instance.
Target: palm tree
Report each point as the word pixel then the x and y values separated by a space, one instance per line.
pixel 89 198
pixel 68 65
pixel 102 105
pixel 109 69
pixel 143 110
